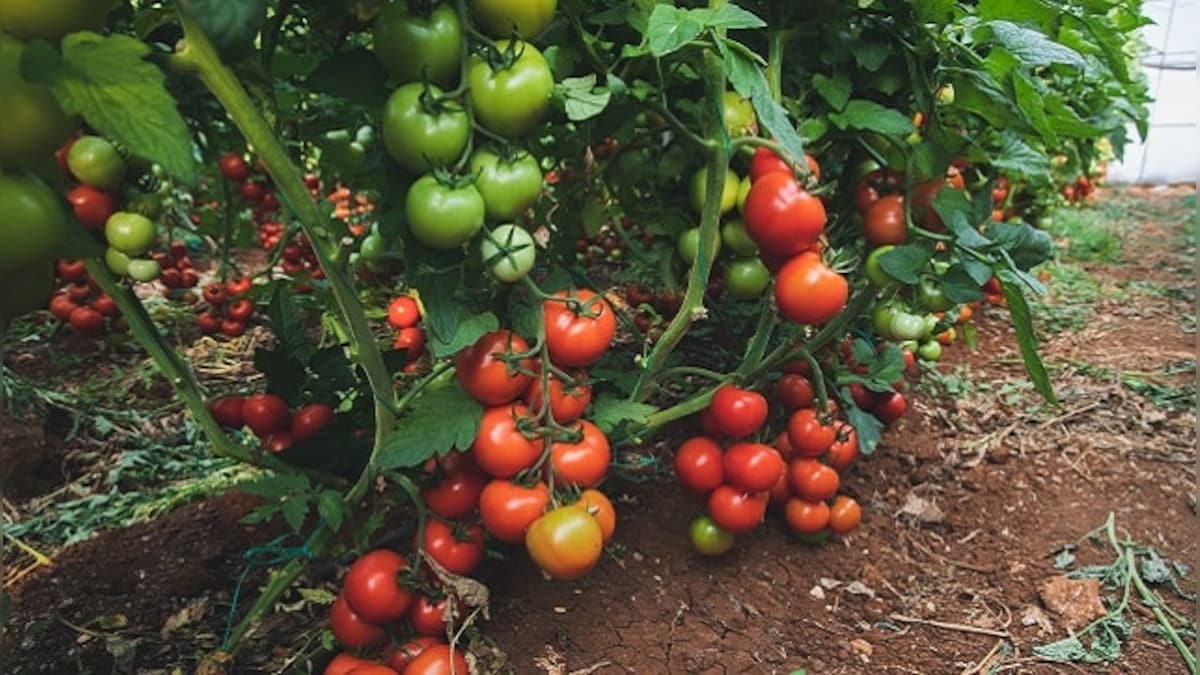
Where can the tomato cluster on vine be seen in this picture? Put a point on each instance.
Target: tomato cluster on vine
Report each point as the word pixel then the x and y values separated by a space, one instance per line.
pixel 80 304
pixel 403 314
pixel 270 419
pixel 227 308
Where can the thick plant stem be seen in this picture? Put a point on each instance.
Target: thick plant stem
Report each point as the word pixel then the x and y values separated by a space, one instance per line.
pixel 775 38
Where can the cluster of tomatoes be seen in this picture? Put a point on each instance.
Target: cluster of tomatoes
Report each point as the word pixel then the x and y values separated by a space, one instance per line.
pixel 1077 191
pixel 879 200
pixel 80 304
pixel 403 314
pixel 177 275
pixel 253 186
pixel 270 418
pixel 651 309
pixel 228 311
pixel 300 262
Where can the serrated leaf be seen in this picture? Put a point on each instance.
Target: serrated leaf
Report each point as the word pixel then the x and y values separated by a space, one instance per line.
pixel 284 319
pixel 670 28
pixel 1026 245
pixel 748 79
pixel 835 90
pixel 960 287
pixel 870 116
pixel 331 509
pixel 609 412
pixel 1032 47
pixel 904 263
pixel 355 75
pixel 469 330
pixel 438 420
pixel 1015 156
pixel 1022 321
pixel 109 82
pixel 1031 105
pixel 295 510
pixel 582 98
pixel 867 427
pixel 728 16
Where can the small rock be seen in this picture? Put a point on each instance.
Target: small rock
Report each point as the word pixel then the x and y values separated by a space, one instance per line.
pixel 1076 601
pixel 817 592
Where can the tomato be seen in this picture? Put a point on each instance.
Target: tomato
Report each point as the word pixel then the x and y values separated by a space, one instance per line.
pixel 240 310
pixel 933 295
pixel 752 467
pixel 372 668
pixel 86 321
pixel 844 515
pixel 372 586
pixel 420 134
pixel 699 188
pixel 455 493
pixel 708 538
pixel 265 414
pixel 438 660
pixel 501 17
pixel 808 436
pixel 781 217
pixel 876 184
pixel 428 617
pixel 229 327
pixel 565 542
pixel 844 450
pixel 884 222
pixel 443 216
pixel 214 293
pixel 509 185
pixel 403 312
pixel 578 330
pixel 344 663
pixel 457 546
pixel 26 290
pixel 233 167
pixel 278 441
pixel 34 124
pixel 508 252
pixel 688 245
pixel 743 192
pixel 598 506
pixel 252 190
pixel 351 629
pixel 71 270
pixel 736 239
pixel 746 278
pixel 143 270
pixel 208 324
pixel 61 307
pixel 310 419
pixel 500 448
pixel 737 511
pixel 92 206
pixel 507 509
pixel 783 446
pixel 399 656
pixel 811 480
pixel 905 325
pixel 930 351
pixel 236 287
pixel 878 277
pixel 738 114
pixel 794 391
pixel 565 405
pixel 227 411
pixel 890 407
pixel 699 465
pixel 738 412
pixel 765 161
pixel 130 233
pixel 510 101
pixel 805 517
pixel 584 463
pixel 96 162
pixel 483 373
pixel 809 292
pixel 413 47
pixel 924 193
pixel 33 224
pixel 52 19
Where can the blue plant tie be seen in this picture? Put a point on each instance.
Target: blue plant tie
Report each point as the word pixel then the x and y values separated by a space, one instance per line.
pixel 270 554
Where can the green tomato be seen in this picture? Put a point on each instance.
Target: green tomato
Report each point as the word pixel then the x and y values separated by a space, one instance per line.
pixel 908 345
pixel 735 237
pixel 906 326
pixel 510 101
pixel 945 94
pixel 932 295
pixel 738 113
pixel 509 186
pixel 815 538
pixel 33 223
pixel 117 262
pixel 743 192
pixel 25 289
pixel 34 125
pixel 708 538
pixel 874 269
pixel 372 248
pixel 746 278
pixel 148 204
pixel 508 252
pixel 130 233
pixel 52 19
pixel 443 216
pixel 142 269
pixel 930 351
pixel 96 162
pixel 865 167
pixel 501 17
pixel 881 320
pixel 931 323
pixel 413 47
pixel 688 245
pixel 729 191
pixel 421 135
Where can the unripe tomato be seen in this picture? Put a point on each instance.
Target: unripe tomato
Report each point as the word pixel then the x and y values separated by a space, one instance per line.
pixel 130 233
pixel 34 124
pixel 708 538
pixel 499 18
pixel 738 114
pixel 508 252
pixel 747 278
pixel 699 188
pixel 420 134
pixel 443 216
pixel 509 186
pixel 565 542
pixel 33 224
pixel 736 239
pixel 412 47
pixel 96 162
pixel 510 101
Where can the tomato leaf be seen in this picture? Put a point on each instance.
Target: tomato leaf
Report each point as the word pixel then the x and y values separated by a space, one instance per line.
pixel 904 263
pixel 1030 103
pixel 581 97
pixel 1025 244
pixel 287 325
pixel 1014 155
pixel 960 286
pixel 467 332
pixel 109 82
pixel 1032 47
pixel 611 412
pixel 835 90
pixel 437 421
pixel 230 24
pixel 870 116
pixel 295 510
pixel 277 485
pixel 748 79
pixel 354 75
pixel 866 426
pixel 670 28
pixel 331 509
pixel 1022 321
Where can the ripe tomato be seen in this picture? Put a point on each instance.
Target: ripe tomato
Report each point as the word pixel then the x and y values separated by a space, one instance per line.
pixel 699 465
pixel 584 463
pixel 844 450
pixel 804 517
pixel 844 515
pixel 566 405
pixel 233 167
pixel 86 321
pixel 403 312
pixel 884 222
pixel 411 341
pixel 578 330
pixel 458 546
pixel 278 442
pixel 71 270
pixel 812 481
pixel 61 307
pixel 738 412
pixel 240 310
pixel 343 663
pixel 876 184
pixel 501 17
pixel 507 509
pixel 780 491
pixel 227 411
pixel 399 656
pixel 34 124
pixel 252 190
pixel 566 542
pixel 765 161
pixel 735 510
pixel 752 467
pixel 438 660
pixel 708 538
pixel 34 223
pixel 265 414
pixel 412 46
pixel 236 287
pixel 782 217
pixel 455 494
pixel 509 185
pixel 427 616
pixel 443 216
pixel 808 435
pixel 351 629
pixel 372 668
pixel 500 448
pixel 809 292
pixel 372 586
pixel 794 391
pixel 419 134
pixel 890 407
pixel 207 323
pixel 924 193
pixel 510 101
pixel 783 446
pixel 233 328
pixel 92 206
pixel 310 419
pixel 598 506
pixel 483 373
pixel 214 293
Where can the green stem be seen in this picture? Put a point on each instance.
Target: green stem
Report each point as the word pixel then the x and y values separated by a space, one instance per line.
pixel 697 371
pixel 761 338
pixel 775 39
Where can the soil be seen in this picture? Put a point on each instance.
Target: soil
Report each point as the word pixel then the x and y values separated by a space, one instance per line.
pixel 966 503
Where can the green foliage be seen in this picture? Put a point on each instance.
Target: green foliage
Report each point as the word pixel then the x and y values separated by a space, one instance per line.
pixel 440 420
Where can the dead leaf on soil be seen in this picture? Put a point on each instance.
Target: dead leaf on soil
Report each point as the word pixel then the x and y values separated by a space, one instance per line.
pixel 1076 601
pixel 1033 615
pixel 862 647
pixel 190 614
pixel 859 588
pixel 923 510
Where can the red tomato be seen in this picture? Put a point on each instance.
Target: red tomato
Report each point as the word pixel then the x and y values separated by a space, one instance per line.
pixel 844 450
pixel 812 481
pixel 482 372
pixel 92 206
pixel 500 448
pixel 891 407
pixel 804 517
pixel 214 293
pixel 600 507
pixel 412 341
pixel 343 663
pixel 372 668
pixel 265 414
pixel 399 656
pixel 794 391
pixel 227 411
pixel 310 419
pixel 438 660
pixel 86 321
pixel 580 330
pixel 783 446
pixel 207 323
pixel 237 287
pixel 844 515
pixel 735 510
pixel 765 161
pixel 278 442
pixel 863 398
pixel 458 547
pixel 233 328
pixel 738 412
pixel 780 492
pixel 808 435
pixel 71 270
pixel 752 467
pixel 428 617
pixel 584 463
pixel 61 307
pixel 106 305
pixel 350 629
pixel 233 167
pixel 240 310
pixel 403 312
pixel 508 509
pixel 884 222
pixel 699 465
pixel 372 586
pixel 566 405
pixel 808 292
pixel 876 184
pixel 708 423
pixel 252 190
pixel 454 494
pixel 781 217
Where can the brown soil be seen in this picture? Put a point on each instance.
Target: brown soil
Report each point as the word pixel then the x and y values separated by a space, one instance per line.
pixel 1005 483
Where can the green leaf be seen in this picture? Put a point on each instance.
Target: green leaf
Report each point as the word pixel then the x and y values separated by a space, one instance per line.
pixel 1032 47
pixel 959 286
pixel 230 24
pixel 469 330
pixel 295 510
pixel 438 421
pixel 581 97
pixel 443 309
pixel 317 596
pixel 870 116
pixel 933 11
pixel 1018 11
pixel 670 28
pixel 904 263
pixel 610 412
pixel 1026 245
pixel 835 90
pixel 1022 321
pixel 331 509
pixel 1016 156
pixel 748 79
pixel 730 17
pixel 286 324
pixel 276 486
pixel 866 426
pixel 1031 105
pixel 354 75
pixel 109 82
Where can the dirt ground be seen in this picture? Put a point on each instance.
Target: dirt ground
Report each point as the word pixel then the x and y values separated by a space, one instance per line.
pixel 966 505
